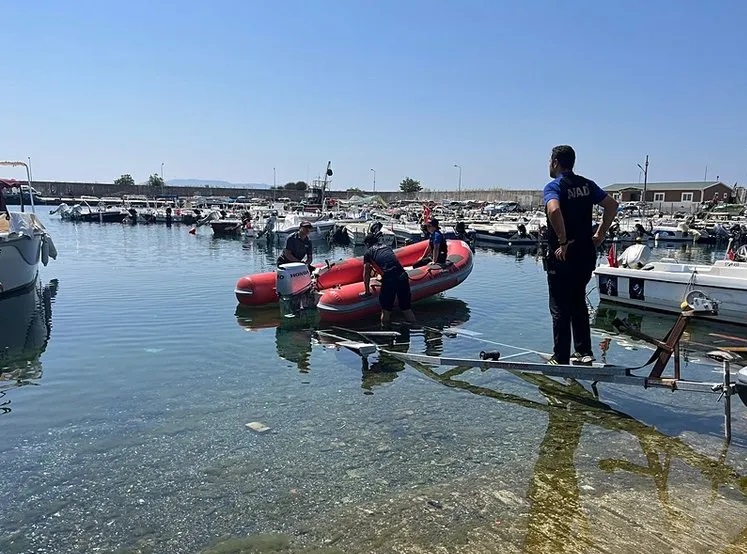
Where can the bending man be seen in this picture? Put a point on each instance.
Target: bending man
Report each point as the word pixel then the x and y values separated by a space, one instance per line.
pixel 395 284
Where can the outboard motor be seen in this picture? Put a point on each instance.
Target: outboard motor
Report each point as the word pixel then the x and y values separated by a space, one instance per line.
pixel 741 385
pixel 295 288
pixel 522 229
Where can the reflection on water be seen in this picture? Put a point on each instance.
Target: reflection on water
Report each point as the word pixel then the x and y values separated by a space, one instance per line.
pixel 137 441
pixel 295 336
pixel 25 326
pixel 557 520
pixel 700 337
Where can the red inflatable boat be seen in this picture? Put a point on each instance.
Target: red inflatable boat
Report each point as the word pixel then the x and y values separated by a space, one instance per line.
pixel 259 289
pixel 344 303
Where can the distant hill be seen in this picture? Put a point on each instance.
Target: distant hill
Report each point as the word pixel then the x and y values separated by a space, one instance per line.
pixel 214 183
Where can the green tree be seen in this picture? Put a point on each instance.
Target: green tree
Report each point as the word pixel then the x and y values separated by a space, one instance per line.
pixel 298 185
pixel 354 190
pixel 125 180
pixel 155 180
pixel 409 185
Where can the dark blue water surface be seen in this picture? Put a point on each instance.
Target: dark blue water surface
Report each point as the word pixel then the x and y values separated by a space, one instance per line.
pixel 128 376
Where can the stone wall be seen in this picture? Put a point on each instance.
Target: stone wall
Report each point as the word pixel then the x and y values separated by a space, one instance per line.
pixel 62 190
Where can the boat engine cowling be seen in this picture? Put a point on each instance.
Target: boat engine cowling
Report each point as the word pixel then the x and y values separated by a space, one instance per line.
pixel 741 385
pixel 293 279
pixel 635 256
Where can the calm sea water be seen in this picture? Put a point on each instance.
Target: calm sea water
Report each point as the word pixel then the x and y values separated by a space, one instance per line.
pixel 129 375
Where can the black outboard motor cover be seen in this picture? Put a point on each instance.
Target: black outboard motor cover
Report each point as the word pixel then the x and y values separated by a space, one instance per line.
pixel 741 385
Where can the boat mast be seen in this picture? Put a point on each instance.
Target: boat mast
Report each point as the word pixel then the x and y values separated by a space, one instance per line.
pixel 645 182
pixel 327 173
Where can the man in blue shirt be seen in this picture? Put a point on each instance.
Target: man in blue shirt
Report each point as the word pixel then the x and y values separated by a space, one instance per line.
pixel 436 251
pixel 572 252
pixel 395 283
pixel 298 246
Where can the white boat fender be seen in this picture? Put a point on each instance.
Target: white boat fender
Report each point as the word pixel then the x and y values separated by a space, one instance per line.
pixel 44 251
pixel 741 385
pixel 52 248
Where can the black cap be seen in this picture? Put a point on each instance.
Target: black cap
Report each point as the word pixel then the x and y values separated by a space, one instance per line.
pixel 433 221
pixel 306 224
pixel 370 240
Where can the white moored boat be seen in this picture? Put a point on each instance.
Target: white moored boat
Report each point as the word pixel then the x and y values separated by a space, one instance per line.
pixel 23 243
pixel 717 291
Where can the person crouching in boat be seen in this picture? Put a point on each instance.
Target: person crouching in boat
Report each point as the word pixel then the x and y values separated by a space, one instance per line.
pixel 298 246
pixel 395 283
pixel 436 251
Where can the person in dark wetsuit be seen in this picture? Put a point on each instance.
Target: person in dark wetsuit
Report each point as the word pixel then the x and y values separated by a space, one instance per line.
pixel 298 246
pixel 569 199
pixel 395 284
pixel 436 251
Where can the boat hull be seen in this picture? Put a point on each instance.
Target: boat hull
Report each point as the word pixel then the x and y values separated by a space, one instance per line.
pixel 258 289
pixel 665 287
pixel 345 303
pixel 19 262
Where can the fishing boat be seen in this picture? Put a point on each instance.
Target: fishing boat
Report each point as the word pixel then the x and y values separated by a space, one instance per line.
pixel 24 242
pixel 346 303
pixel 668 285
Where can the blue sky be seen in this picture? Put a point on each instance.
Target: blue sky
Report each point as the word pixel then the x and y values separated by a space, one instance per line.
pixel 229 90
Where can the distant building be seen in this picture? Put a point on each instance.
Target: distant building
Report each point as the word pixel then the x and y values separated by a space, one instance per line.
pixel 677 194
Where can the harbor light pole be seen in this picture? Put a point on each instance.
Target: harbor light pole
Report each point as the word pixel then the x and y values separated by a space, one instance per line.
pixel 459 189
pixel 644 168
pixel 374 179
pixel 163 183
pixel 274 183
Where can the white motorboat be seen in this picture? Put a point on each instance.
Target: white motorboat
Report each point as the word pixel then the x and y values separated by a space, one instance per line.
pixel 717 291
pixel 322 227
pixel 357 231
pixel 506 233
pixel 23 243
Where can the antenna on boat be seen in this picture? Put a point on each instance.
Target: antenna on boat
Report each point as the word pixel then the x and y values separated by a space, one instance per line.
pixel 644 168
pixel 327 173
pixel 28 179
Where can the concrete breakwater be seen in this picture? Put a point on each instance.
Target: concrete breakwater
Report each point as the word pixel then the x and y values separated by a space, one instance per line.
pixel 63 189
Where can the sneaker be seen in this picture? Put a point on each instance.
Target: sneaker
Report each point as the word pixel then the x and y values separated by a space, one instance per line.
pixel 582 359
pixel 553 361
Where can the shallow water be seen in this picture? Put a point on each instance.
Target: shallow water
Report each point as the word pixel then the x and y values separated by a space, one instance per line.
pixel 138 374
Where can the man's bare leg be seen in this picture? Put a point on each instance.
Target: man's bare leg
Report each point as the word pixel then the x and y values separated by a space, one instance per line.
pixel 409 316
pixel 386 317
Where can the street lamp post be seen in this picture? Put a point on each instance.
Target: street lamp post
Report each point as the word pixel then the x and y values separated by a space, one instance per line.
pixel 374 179
pixel 459 189
pixel 274 183
pixel 644 168
pixel 162 181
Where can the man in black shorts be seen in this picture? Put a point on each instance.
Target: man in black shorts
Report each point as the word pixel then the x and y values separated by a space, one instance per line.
pixel 395 284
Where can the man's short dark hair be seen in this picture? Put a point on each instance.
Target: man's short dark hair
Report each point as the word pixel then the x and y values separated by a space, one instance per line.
pixel 564 155
pixel 370 240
